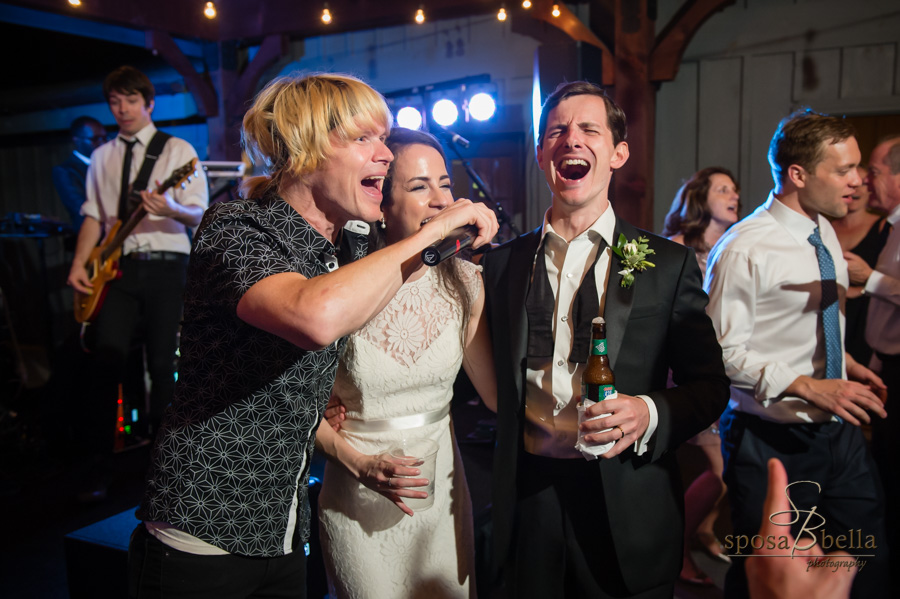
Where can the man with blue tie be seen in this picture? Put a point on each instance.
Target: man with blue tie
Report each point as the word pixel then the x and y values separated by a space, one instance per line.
pixel 776 281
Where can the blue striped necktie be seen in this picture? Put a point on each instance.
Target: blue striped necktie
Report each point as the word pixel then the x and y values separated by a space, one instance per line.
pixel 834 353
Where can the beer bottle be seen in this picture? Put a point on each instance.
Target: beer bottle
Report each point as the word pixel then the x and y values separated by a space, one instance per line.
pixel 598 381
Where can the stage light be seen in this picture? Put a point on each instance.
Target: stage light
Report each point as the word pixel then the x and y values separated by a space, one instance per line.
pixel 210 11
pixel 75 2
pixel 420 15
pixel 326 15
pixel 409 117
pixel 555 12
pixel 501 16
pixel 444 112
pixel 482 106
pixel 526 4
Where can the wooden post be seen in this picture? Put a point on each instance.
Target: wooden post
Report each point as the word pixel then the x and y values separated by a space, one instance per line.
pixel 632 193
pixel 235 92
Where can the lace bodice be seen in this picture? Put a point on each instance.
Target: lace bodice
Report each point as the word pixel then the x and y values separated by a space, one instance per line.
pixel 407 357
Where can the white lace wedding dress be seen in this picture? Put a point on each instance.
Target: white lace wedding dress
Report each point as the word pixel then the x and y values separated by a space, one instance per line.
pixel 402 363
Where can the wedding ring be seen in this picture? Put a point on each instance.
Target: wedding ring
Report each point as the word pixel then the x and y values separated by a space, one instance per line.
pixel 621 431
pixel 390 481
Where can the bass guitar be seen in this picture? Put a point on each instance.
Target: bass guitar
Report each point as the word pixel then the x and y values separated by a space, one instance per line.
pixel 103 264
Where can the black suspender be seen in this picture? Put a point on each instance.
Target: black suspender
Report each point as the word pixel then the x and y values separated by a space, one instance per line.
pixel 154 149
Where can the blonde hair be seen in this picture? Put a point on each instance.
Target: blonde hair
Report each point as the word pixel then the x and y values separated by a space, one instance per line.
pixel 289 127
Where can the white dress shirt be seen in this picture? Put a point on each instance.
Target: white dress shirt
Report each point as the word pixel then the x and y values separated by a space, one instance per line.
pixel 765 296
pixel 104 180
pixel 553 385
pixel 883 322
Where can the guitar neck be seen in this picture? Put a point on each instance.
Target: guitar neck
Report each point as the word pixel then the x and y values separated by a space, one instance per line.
pixel 123 232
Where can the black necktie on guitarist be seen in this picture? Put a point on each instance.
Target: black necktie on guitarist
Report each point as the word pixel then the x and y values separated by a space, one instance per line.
pixel 129 286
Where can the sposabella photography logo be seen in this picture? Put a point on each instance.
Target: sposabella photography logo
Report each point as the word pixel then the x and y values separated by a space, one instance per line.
pixel 853 544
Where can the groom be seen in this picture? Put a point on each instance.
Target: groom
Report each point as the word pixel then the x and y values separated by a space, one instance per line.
pixel 565 526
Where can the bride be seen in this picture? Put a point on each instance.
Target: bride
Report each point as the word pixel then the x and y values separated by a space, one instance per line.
pixel 395 383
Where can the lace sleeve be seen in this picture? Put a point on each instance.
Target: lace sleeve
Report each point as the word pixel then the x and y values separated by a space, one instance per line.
pixel 471 277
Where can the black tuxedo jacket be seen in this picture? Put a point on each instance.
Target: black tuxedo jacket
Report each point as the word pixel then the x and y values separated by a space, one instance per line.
pixel 69 179
pixel 657 324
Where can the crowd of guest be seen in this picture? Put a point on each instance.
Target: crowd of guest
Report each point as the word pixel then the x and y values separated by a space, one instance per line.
pixel 767 342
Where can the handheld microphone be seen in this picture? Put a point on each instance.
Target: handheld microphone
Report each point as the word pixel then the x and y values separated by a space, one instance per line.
pixel 458 239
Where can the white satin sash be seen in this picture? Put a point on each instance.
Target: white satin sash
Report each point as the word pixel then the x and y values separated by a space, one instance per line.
pixel 400 423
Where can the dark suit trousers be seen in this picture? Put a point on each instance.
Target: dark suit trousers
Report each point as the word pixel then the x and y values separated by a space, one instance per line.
pixel 562 547
pixel 886 450
pixel 832 454
pixel 144 305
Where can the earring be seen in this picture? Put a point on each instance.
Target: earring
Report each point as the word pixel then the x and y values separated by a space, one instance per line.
pixel 382 225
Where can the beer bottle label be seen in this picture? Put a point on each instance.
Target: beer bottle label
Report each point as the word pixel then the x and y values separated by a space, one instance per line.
pixel 598 347
pixel 597 393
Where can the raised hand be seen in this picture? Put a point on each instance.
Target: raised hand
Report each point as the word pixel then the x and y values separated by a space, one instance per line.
pixel 793 572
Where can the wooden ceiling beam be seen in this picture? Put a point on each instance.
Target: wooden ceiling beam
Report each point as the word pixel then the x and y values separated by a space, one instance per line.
pixel 201 89
pixel 672 41
pixel 178 18
pixel 572 26
pixel 83 26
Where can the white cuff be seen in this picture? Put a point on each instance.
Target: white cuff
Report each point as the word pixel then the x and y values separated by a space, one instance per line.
pixel 872 282
pixel 640 446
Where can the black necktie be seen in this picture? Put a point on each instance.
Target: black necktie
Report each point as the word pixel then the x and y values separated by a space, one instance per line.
pixel 126 175
pixel 540 303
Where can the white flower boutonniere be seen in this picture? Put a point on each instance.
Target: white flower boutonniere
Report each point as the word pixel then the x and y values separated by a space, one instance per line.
pixel 633 257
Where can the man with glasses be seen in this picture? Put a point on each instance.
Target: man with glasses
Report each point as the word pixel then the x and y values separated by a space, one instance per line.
pixel 69 177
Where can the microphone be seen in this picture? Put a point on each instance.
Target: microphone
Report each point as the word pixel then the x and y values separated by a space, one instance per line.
pixel 456 138
pixel 458 239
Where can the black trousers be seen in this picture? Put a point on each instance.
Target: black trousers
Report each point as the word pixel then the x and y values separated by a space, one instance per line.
pixel 144 304
pixel 886 450
pixel 562 545
pixel 157 571
pixel 832 454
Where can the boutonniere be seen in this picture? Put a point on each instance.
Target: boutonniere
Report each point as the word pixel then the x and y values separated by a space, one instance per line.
pixel 633 257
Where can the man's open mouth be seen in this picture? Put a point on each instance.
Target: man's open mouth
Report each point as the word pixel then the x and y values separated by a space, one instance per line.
pixel 573 168
pixel 375 182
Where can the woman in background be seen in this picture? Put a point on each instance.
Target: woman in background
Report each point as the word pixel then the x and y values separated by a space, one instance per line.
pixel 703 209
pixel 400 367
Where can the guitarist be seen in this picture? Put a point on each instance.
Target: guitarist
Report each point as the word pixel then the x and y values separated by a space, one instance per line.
pixel 147 298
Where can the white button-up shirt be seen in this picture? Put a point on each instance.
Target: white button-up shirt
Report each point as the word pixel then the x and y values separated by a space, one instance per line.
pixel 765 294
pixel 104 180
pixel 883 323
pixel 553 385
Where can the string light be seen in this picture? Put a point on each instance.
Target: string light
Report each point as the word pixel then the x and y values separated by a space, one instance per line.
pixel 555 12
pixel 326 15
pixel 210 10
pixel 420 15
pixel 75 2
pixel 501 16
pixel 526 4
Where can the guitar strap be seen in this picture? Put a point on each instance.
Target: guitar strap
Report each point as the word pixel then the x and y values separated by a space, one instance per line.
pixel 154 149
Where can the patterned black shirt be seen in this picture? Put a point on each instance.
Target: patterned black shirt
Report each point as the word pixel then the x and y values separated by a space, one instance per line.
pixel 231 464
